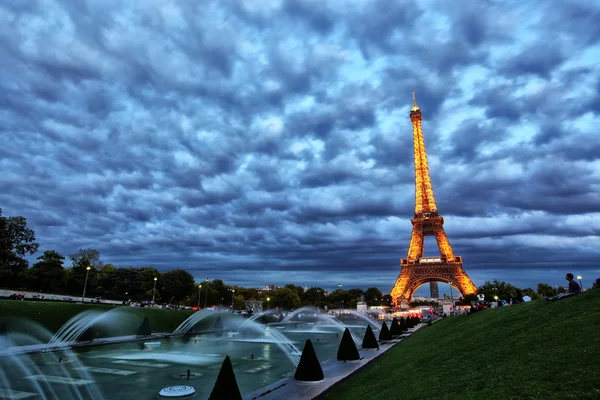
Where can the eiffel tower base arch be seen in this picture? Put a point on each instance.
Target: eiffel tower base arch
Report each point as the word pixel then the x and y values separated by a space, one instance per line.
pixel 415 274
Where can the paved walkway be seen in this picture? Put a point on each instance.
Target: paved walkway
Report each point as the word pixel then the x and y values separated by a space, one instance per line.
pixel 4 293
pixel 334 371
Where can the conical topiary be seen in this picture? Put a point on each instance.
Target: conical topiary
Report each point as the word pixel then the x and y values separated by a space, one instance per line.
pixel 309 369
pixel 226 386
pixel 87 336
pixel 370 341
pixel 395 328
pixel 218 326
pixel 403 326
pixel 384 333
pixel 144 329
pixel 218 323
pixel 347 350
pixel 409 323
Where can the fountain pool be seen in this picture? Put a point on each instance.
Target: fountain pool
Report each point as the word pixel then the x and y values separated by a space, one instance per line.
pixel 135 370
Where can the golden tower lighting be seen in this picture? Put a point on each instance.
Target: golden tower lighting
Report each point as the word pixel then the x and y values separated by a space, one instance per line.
pixel 417 270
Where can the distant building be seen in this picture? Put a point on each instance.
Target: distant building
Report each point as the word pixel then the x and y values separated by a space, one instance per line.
pixel 427 299
pixel 254 306
pixel 434 290
pixel 269 288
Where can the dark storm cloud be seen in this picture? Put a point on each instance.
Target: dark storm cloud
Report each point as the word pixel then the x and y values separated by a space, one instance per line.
pixel 539 60
pixel 269 142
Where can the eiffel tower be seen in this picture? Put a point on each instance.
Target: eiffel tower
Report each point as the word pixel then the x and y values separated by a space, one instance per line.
pixel 417 270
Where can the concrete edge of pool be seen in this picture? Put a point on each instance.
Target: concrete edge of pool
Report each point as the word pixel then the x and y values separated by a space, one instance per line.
pixel 335 372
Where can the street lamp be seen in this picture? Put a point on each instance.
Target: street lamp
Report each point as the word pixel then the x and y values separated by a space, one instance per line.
pixel 199 289
pixel 580 284
pixel 85 284
pixel 268 303
pixel 154 290
pixel 206 298
pixel 342 303
pixel 232 294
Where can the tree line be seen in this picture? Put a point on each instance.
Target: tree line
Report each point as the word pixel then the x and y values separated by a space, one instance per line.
pixel 49 275
pixel 177 286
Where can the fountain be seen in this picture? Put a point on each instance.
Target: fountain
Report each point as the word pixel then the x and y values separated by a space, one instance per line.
pixel 192 320
pixel 74 328
pixel 54 368
pixel 270 336
pixel 374 324
pixel 41 382
pixel 321 317
pixel 255 317
pixel 380 313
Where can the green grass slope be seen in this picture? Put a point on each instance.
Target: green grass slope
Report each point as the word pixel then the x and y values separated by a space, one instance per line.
pixel 528 351
pixel 53 315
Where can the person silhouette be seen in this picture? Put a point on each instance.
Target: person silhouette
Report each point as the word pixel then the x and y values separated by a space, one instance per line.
pixel 573 289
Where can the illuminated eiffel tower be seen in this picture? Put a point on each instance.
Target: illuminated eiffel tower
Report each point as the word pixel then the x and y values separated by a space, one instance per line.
pixel 417 270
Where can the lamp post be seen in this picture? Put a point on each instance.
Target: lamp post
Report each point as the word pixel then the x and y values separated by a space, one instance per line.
pixel 342 301
pixel 232 295
pixel 154 290
pixel 268 303
pixel 85 284
pixel 199 289
pixel 580 284
pixel 206 298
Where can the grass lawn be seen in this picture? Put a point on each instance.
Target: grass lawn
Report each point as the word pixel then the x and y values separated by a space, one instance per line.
pixel 528 351
pixel 53 315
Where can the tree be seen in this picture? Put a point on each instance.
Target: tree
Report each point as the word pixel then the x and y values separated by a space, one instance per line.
pixel 247 293
pixel 286 298
pixel 387 300
pixel 314 296
pixel 129 285
pixel 373 296
pixel 501 289
pixel 86 258
pixel 298 289
pixel 335 299
pixel 48 273
pixel 16 241
pixel 545 290
pixel 107 282
pixel 354 296
pixel 239 302
pixel 177 285
pixel 82 259
pixel 417 303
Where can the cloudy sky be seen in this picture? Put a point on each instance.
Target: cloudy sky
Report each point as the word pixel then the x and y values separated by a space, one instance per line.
pixel 268 142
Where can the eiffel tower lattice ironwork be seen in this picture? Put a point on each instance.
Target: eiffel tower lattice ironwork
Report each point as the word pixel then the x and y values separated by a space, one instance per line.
pixel 417 270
